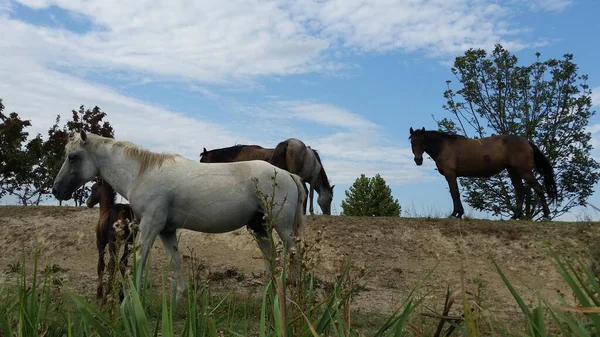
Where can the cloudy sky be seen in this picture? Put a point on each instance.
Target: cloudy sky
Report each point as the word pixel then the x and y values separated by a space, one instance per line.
pixel 348 77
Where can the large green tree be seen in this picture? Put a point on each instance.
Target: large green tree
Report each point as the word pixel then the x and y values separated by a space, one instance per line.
pixel 370 197
pixel 13 161
pixel 28 168
pixel 547 102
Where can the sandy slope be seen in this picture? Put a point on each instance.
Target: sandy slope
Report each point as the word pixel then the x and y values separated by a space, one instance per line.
pixel 401 250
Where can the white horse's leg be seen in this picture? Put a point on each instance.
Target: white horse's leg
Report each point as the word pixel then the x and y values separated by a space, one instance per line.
pixel 285 231
pixel 169 240
pixel 149 229
pixel 262 240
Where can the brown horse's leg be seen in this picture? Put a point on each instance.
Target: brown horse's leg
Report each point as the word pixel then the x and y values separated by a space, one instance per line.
pixel 124 258
pixel 123 265
pixel 539 190
pixel 515 178
pixel 112 251
pixel 453 184
pixel 99 288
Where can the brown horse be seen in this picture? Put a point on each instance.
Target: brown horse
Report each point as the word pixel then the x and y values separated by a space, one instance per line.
pixel 111 215
pixel 291 155
pixel 236 153
pixel 459 156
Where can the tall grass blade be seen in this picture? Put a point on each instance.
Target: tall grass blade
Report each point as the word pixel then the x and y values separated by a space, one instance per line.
pixel 263 311
pixel 167 317
pixel 103 326
pixel 583 300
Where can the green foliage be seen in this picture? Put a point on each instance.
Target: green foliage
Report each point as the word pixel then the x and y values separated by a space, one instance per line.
pixel 17 157
pixel 370 197
pixel 546 102
pixel 28 168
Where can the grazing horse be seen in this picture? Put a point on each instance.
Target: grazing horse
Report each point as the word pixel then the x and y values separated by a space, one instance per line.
pixel 459 156
pixel 294 156
pixel 111 214
pixel 291 155
pixel 167 192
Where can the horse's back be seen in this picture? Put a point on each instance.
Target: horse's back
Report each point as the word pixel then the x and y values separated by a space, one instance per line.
pixel 297 158
pixel 221 197
pixel 490 155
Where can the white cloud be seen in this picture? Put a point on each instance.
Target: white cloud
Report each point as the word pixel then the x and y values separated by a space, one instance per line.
pixel 596 97
pixel 594 129
pixel 218 41
pixel 551 5
pixel 346 155
pixel 439 27
pixel 40 94
pixel 324 114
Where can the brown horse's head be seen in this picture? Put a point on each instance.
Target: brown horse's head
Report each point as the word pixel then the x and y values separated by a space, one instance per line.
pixel 205 156
pixel 417 138
pixel 94 197
pixel 102 193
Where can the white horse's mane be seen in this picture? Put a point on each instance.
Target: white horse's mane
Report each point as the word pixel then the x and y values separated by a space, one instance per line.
pixel 145 157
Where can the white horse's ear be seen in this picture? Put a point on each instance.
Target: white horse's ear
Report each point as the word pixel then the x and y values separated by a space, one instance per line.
pixel 83 135
pixel 411 130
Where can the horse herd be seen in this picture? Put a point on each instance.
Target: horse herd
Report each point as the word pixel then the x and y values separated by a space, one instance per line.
pixel 222 192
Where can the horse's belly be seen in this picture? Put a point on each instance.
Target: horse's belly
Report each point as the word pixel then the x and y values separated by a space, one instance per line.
pixel 479 171
pixel 214 219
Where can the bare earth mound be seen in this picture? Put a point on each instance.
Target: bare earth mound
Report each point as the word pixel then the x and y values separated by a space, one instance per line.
pixel 401 251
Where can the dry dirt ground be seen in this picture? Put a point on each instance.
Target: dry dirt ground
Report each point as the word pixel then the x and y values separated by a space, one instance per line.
pixel 400 250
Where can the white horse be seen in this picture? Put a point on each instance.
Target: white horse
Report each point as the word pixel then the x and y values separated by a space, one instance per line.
pixel 167 192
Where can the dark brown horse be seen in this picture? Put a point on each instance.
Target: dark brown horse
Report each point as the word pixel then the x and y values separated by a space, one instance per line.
pixel 291 155
pixel 236 153
pixel 111 215
pixel 458 156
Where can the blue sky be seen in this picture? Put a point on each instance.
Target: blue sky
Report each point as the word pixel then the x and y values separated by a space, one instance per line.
pixel 348 77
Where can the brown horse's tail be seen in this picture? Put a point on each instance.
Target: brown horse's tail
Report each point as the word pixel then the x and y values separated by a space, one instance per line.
pixel 279 157
pixel 545 168
pixel 299 219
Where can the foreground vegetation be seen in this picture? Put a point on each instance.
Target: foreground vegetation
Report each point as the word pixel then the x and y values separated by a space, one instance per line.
pixel 38 305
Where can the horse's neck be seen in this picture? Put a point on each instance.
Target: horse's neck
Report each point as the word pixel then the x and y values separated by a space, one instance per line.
pixel 320 181
pixel 117 169
pixel 433 147
pixel 106 198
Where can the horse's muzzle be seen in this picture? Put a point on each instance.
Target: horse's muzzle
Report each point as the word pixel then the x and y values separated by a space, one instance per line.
pixel 61 196
pixel 419 161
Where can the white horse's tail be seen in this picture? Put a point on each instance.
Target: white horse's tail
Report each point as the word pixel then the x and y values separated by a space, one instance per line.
pixel 299 220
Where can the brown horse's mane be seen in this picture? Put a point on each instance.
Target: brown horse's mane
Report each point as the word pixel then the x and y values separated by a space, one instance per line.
pixel 443 134
pixel 322 174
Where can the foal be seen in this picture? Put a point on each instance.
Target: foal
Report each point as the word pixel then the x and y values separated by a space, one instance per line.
pixel 111 215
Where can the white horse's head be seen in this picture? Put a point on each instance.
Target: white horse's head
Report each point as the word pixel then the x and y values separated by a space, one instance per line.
pixel 324 200
pixel 78 168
